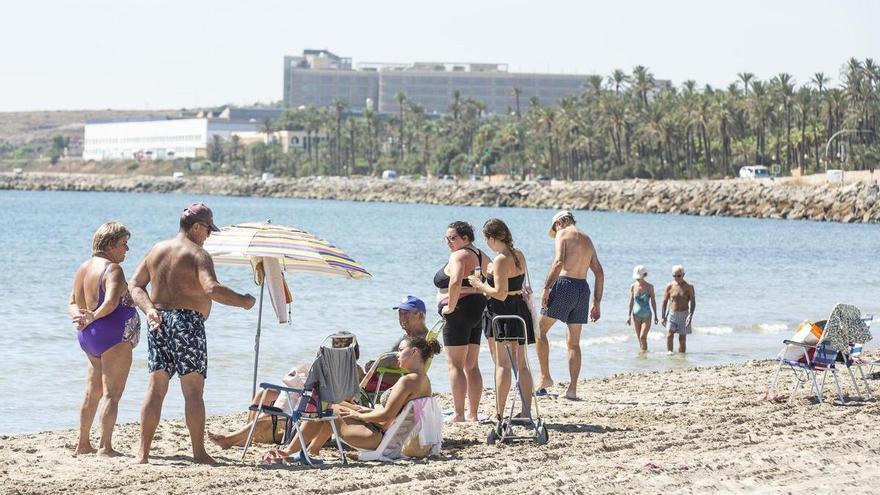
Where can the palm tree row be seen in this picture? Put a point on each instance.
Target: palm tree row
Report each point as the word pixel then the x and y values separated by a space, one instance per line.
pixel 625 125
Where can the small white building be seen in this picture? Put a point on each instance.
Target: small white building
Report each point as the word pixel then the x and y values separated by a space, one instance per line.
pixel 157 139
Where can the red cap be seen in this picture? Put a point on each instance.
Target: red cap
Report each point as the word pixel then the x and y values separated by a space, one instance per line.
pixel 199 212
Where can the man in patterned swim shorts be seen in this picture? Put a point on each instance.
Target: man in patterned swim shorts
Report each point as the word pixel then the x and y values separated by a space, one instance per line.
pixel 183 286
pixel 566 297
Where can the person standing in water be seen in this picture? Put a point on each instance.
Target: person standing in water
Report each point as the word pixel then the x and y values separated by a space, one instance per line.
pixel 681 300
pixel 639 313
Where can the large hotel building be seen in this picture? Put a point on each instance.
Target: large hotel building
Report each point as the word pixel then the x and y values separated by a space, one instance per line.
pixel 319 78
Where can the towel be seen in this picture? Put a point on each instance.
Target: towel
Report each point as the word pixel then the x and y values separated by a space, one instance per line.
pixel 335 373
pixel 429 423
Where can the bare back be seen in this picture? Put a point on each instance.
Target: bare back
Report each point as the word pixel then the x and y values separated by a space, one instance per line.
pixel 577 252
pixel 85 284
pixel 174 269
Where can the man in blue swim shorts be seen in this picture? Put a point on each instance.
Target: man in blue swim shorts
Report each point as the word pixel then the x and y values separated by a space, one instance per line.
pixel 566 296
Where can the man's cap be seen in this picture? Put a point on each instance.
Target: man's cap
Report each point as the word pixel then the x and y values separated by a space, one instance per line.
pixel 557 217
pixel 410 303
pixel 199 212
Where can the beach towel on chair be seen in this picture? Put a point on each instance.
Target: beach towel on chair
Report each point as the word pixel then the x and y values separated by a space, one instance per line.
pixel 336 371
pixel 427 437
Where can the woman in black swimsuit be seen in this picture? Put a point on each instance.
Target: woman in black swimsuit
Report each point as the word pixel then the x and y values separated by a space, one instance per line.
pixel 508 295
pixel 462 307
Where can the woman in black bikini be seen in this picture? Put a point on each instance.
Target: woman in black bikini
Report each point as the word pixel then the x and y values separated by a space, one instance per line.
pixel 508 295
pixel 462 306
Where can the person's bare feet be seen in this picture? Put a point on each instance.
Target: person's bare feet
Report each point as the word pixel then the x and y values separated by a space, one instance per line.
pixel 455 419
pixel 145 459
pixel 84 449
pixel 205 459
pixel 545 383
pixel 219 440
pixel 571 394
pixel 109 452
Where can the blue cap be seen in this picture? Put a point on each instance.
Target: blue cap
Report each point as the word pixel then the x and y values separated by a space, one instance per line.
pixel 410 303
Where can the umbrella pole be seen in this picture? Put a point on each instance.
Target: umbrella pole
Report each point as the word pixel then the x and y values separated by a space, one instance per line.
pixel 257 338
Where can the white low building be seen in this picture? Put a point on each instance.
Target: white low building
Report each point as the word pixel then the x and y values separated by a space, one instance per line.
pixel 157 139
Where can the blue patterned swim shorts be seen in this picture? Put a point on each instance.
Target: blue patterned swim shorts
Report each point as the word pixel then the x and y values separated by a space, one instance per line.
pixel 180 345
pixel 569 300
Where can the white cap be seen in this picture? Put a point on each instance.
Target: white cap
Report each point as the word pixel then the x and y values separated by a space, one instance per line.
pixel 639 272
pixel 557 217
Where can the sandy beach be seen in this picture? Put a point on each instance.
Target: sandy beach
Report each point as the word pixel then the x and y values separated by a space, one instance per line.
pixel 701 430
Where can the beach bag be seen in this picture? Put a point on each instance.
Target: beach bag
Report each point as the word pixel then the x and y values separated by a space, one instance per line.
pixel 808 333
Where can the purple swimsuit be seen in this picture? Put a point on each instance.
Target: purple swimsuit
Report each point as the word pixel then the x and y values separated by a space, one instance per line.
pixel 122 325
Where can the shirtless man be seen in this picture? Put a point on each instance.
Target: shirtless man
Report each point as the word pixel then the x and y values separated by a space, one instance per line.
pixel 566 296
pixel 683 301
pixel 183 286
pixel 411 316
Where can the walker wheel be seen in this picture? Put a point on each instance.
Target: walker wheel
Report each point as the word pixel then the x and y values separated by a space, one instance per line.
pixel 492 437
pixel 541 435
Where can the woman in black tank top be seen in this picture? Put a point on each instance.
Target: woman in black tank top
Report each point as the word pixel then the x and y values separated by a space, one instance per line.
pixel 508 296
pixel 462 308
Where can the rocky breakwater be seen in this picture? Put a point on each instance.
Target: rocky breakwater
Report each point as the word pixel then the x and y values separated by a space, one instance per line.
pixel 859 202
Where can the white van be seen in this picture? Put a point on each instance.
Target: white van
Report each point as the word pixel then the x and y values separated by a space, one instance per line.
pixel 389 174
pixel 754 172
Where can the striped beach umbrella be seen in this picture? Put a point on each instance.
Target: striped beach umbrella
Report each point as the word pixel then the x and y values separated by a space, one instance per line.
pixel 296 250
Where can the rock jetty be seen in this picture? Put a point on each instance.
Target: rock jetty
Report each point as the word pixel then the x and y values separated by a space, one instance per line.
pixel 856 202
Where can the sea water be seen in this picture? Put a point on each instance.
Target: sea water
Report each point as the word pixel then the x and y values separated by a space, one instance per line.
pixel 754 279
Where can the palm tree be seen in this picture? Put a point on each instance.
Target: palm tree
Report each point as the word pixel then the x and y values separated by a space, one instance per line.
pixel 517 91
pixel 784 85
pixel 643 81
pixel 339 106
pixel 618 80
pixel 401 103
pixel 746 78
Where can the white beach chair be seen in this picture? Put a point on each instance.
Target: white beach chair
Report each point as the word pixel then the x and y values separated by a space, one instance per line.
pixel 428 426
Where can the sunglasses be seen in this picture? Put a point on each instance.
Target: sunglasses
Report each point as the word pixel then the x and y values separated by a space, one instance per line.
pixel 678 275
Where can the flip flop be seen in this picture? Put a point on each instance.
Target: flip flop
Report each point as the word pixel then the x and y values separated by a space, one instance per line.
pixel 300 458
pixel 542 392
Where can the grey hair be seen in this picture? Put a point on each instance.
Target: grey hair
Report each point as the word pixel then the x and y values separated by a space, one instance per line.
pixel 677 268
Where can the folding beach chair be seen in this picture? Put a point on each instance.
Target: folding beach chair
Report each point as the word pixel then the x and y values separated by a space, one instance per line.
pixel 310 406
pixel 372 385
pixel 419 417
pixel 843 328
pixel 853 359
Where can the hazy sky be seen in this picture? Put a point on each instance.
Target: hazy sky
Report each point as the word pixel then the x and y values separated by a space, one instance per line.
pixel 137 54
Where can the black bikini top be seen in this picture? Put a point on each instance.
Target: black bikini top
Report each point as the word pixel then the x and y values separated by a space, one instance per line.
pixel 441 279
pixel 513 283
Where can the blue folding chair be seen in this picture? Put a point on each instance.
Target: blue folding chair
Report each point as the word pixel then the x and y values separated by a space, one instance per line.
pixel 309 406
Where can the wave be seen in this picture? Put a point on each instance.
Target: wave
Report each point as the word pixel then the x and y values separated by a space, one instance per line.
pixel 771 327
pixel 593 341
pixel 717 330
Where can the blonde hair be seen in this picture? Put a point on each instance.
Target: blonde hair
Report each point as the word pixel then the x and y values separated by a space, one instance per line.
pixel 106 235
pixel 677 269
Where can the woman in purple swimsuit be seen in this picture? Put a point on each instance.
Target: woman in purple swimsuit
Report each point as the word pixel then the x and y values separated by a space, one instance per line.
pixel 108 328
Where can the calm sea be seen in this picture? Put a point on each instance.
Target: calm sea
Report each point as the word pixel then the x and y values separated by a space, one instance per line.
pixel 755 280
